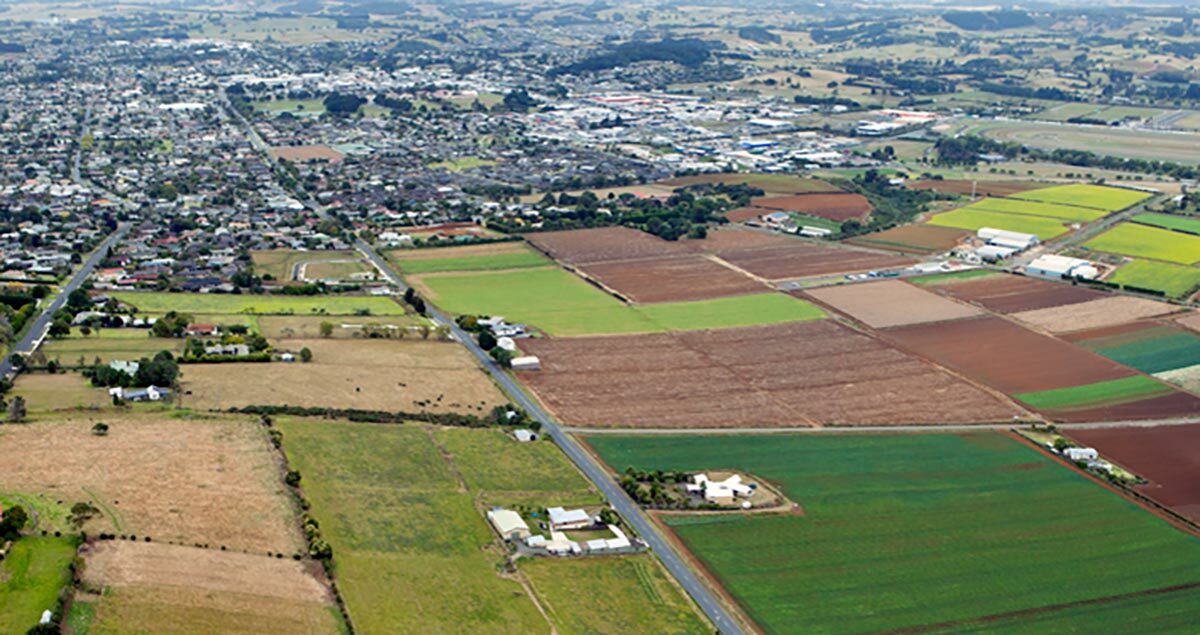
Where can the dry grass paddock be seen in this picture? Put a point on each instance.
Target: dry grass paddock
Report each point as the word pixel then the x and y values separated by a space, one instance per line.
pixel 396 376
pixel 288 327
pixel 197 480
pixel 151 587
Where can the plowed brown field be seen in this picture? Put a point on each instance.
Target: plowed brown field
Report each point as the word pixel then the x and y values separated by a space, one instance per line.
pixel 920 239
pixel 1014 294
pixel 787 375
pixel 672 279
pixel 1166 456
pixel 802 259
pixel 1170 406
pixel 838 207
pixel 1005 356
pixel 891 303
pixel 1105 311
pixel 582 246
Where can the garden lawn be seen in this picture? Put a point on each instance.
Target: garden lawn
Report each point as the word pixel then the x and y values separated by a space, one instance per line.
pixel 1132 239
pixel 1102 393
pixel 220 303
pixel 1174 280
pixel 1185 224
pixel 32 575
pixel 906 531
pixel 1109 199
pixel 973 219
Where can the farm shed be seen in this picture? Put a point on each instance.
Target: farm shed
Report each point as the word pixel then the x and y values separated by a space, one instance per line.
pixel 1005 238
pixel 528 362
pixel 508 524
pixel 1081 454
pixel 563 519
pixel 1057 267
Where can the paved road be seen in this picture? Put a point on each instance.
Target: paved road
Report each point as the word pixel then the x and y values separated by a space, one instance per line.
pixel 36 332
pixel 704 597
pixel 629 510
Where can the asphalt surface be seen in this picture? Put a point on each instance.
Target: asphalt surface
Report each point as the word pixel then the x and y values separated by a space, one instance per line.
pixel 38 330
pixel 629 510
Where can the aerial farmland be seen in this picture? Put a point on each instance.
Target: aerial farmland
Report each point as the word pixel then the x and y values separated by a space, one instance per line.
pixel 599 318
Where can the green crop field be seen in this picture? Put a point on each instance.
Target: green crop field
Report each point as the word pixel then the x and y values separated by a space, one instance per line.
pixel 551 299
pixel 31 576
pixel 742 310
pixel 587 595
pixel 1066 213
pixel 1108 199
pixel 907 531
pixel 1104 393
pixel 560 303
pixel 1132 239
pixel 402 507
pixel 521 258
pixel 1174 280
pixel 952 277
pixel 1151 350
pixel 1185 224
pixel 220 303
pixel 972 218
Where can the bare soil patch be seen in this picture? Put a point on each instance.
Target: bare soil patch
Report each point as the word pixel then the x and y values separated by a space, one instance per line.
pixel 982 188
pixel 732 238
pixel 1106 311
pixel 1166 456
pixel 918 239
pixel 1170 406
pixel 396 376
pixel 1015 294
pixel 801 259
pixel 167 588
pixel 838 207
pixel 805 373
pixel 891 303
pixel 1005 356
pixel 691 277
pixel 209 481
pixel 302 154
pixel 1191 320
pixel 583 246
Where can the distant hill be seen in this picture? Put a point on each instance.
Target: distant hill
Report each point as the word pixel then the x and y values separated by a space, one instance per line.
pixel 758 34
pixel 988 20
pixel 686 52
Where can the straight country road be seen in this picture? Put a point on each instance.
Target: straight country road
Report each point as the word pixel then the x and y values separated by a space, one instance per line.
pixel 37 331
pixel 691 582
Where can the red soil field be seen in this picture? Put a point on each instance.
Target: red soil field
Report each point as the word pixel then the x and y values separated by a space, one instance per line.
pixel 800 259
pixel 743 214
pixel 1005 356
pixel 1166 456
pixel 982 188
pixel 731 238
pixel 838 207
pixel 795 374
pixel 919 239
pixel 691 277
pixel 582 246
pixel 1013 294
pixel 1170 406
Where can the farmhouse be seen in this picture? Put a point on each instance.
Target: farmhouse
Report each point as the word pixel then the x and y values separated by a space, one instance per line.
pixel 1081 454
pixel 563 520
pixel 524 435
pixel 719 491
pixel 150 393
pixel 201 330
pixel 1059 267
pixel 508 524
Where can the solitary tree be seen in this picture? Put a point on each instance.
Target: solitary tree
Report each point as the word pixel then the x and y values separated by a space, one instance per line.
pixel 326 329
pixel 16 410
pixel 15 518
pixel 305 355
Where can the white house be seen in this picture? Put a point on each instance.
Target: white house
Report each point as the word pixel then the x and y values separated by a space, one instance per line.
pixel 719 491
pixel 524 436
pixel 508 524
pixel 564 520
pixel 1081 454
